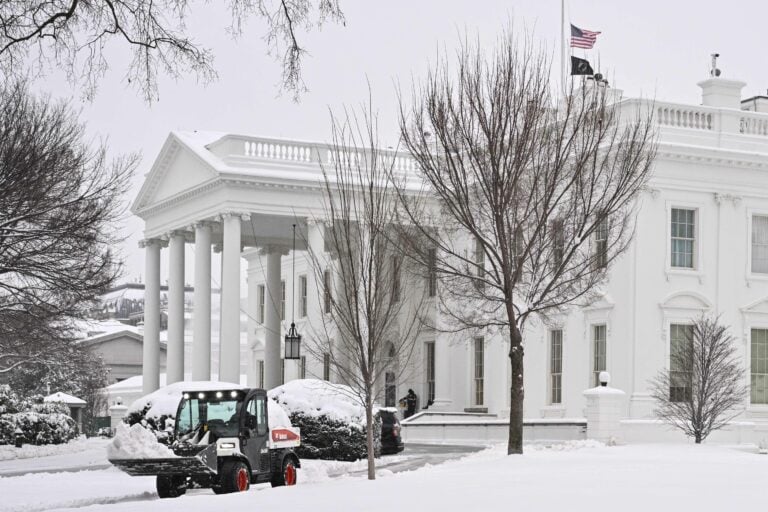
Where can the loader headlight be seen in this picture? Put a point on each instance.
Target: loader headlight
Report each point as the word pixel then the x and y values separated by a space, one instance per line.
pixel 227 446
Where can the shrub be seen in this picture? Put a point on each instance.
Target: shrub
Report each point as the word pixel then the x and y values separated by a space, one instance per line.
pixel 330 439
pixel 42 428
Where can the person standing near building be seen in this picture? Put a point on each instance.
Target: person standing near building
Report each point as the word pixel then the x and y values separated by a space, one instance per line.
pixel 410 403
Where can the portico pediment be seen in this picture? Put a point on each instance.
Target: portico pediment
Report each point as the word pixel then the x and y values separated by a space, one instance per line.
pixel 183 164
pixel 759 307
pixel 686 301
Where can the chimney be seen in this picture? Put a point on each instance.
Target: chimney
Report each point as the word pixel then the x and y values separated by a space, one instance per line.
pixel 720 92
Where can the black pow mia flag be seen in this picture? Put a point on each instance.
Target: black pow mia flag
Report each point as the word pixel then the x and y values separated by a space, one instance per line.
pixel 580 67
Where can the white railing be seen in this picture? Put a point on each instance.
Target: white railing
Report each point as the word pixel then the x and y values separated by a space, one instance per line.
pixel 685 117
pixel 278 150
pixel 307 152
pixel 753 125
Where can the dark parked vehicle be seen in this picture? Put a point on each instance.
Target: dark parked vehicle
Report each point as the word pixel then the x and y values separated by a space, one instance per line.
pixel 391 442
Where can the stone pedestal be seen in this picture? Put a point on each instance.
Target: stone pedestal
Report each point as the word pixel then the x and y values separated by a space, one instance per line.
pixel 116 414
pixel 605 408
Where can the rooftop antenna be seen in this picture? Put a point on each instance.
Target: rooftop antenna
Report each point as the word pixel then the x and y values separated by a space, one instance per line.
pixel 714 72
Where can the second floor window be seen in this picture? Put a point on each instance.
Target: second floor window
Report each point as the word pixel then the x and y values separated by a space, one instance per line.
pixel 302 296
pixel 327 297
pixel 601 244
pixel 261 296
pixel 395 278
pixel 432 272
pixel 683 238
pixel 558 242
pixel 760 244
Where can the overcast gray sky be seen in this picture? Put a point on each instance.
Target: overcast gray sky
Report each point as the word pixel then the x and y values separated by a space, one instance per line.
pixel 654 48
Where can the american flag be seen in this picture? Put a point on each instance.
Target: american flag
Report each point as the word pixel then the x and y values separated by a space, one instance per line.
pixel 582 38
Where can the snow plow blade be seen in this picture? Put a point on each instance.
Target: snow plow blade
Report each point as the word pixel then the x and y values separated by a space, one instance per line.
pixel 204 463
pixel 169 466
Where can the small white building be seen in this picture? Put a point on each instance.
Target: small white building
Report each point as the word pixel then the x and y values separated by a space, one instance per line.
pixel 701 245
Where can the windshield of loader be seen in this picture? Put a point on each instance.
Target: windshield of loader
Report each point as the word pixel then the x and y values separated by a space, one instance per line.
pixel 217 411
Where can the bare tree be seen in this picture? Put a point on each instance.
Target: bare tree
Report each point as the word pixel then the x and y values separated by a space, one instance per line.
pixel 704 384
pixel 58 212
pixel 73 35
pixel 369 299
pixel 522 199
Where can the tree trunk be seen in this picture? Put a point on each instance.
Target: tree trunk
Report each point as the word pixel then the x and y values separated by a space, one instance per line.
pixel 517 392
pixel 369 437
pixel 698 438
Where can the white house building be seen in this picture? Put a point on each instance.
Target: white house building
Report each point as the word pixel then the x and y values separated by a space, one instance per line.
pixel 701 245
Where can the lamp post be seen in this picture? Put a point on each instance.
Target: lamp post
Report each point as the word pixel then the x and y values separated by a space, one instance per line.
pixel 293 338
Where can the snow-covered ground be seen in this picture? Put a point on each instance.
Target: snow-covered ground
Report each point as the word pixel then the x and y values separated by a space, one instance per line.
pixel 578 476
pixel 98 489
pixel 80 453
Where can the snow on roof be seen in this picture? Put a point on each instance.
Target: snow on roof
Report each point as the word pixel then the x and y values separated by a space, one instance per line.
pixel 93 328
pixel 315 397
pixel 64 398
pixel 136 382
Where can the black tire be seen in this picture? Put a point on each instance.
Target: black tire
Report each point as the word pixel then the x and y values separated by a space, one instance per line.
pixel 288 474
pixel 235 477
pixel 169 486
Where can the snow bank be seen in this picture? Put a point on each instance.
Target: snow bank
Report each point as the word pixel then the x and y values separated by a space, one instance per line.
pixel 136 442
pixel 165 401
pixel 277 415
pixel 315 398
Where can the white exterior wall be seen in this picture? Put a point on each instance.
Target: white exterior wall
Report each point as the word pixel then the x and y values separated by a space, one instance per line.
pixel 710 158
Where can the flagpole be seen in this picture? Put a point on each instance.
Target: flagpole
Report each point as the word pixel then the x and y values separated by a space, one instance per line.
pixel 563 65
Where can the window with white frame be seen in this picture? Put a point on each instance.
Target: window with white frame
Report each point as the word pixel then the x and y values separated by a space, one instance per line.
pixel 558 242
pixel 598 352
pixel 302 296
pixel 261 297
pixel 261 373
pixel 303 367
pixel 683 238
pixel 282 300
pixel 518 246
pixel 327 298
pixel 601 244
pixel 395 278
pixel 429 348
pixel 326 366
pixel 758 367
pixel 556 366
pixel 760 244
pixel 680 386
pixel 479 259
pixel 478 372
pixel 432 272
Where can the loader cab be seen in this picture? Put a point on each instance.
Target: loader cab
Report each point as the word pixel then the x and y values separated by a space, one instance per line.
pixel 203 417
pixel 254 431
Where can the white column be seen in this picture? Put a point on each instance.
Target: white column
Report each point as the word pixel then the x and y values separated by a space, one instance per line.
pixel 272 319
pixel 151 347
pixel 175 354
pixel 229 341
pixel 253 275
pixel 201 316
pixel 443 391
